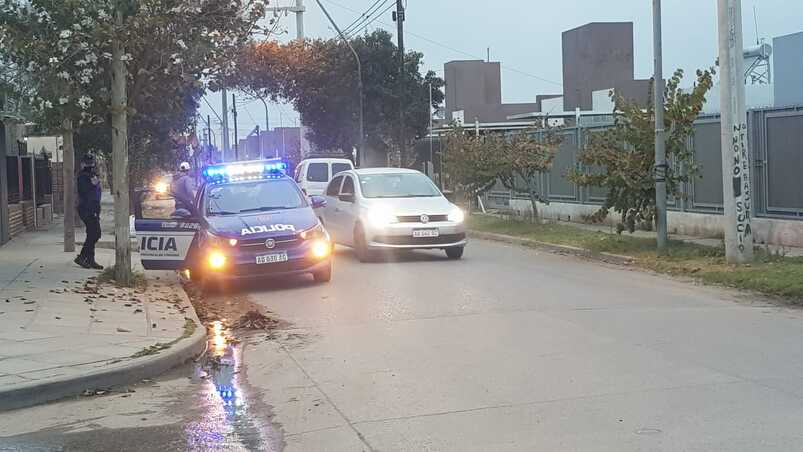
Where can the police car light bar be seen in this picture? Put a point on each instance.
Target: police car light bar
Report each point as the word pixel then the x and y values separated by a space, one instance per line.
pixel 245 170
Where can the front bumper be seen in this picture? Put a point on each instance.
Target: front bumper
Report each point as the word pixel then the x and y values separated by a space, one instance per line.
pixel 400 236
pixel 241 262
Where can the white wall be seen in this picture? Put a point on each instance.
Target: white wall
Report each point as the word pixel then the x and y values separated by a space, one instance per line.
pixel 52 146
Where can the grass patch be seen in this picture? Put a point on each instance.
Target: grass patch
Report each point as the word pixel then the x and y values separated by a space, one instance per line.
pixel 138 279
pixel 770 274
pixel 189 330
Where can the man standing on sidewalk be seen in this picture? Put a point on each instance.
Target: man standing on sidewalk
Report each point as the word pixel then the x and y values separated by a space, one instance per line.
pixel 89 192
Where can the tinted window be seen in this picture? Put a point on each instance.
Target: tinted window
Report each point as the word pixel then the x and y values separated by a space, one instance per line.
pixel 405 185
pixel 265 195
pixel 318 172
pixel 348 186
pixel 340 167
pixel 334 186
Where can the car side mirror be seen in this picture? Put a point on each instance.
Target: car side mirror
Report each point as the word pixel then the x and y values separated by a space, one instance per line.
pixel 318 201
pixel 348 197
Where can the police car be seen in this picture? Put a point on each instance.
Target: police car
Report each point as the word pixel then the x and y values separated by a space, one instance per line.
pixel 249 219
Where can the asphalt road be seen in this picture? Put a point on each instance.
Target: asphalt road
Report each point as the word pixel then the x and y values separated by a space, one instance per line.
pixel 508 349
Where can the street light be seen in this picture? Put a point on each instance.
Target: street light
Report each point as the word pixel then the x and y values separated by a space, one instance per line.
pixel 359 79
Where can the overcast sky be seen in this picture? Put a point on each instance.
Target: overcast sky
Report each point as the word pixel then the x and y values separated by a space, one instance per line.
pixel 525 36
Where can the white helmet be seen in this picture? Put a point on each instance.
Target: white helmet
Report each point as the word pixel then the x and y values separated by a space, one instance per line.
pixel 184 166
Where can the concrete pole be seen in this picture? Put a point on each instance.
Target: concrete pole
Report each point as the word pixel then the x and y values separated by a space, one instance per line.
pixel 400 17
pixel 122 228
pixel 236 138
pixel 661 167
pixel 431 172
pixel 68 176
pixel 300 19
pixel 225 132
pixel 736 183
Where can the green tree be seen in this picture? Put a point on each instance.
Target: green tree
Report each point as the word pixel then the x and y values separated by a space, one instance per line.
pixel 621 160
pixel 516 160
pixel 169 47
pixel 319 78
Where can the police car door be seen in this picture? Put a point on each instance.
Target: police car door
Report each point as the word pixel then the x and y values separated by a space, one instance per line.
pixel 165 236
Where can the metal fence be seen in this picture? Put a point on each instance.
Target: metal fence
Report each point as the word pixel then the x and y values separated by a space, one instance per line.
pixel 776 147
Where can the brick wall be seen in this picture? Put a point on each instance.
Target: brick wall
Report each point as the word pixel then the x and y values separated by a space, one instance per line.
pixel 16 222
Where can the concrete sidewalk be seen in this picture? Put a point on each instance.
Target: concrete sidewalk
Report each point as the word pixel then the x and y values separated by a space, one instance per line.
pixel 62 333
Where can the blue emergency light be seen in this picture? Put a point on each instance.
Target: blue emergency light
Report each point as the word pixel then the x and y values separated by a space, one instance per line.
pixel 242 171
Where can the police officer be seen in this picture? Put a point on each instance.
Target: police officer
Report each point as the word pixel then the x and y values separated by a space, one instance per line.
pixel 89 192
pixel 184 188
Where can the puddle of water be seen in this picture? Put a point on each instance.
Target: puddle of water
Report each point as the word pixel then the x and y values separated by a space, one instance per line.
pixel 229 421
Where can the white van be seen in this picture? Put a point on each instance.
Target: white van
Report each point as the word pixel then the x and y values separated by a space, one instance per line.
pixel 313 175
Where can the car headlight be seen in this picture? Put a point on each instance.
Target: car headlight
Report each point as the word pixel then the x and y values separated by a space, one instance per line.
pixel 321 248
pixel 456 215
pixel 379 217
pixel 221 242
pixel 161 187
pixel 217 260
pixel 318 232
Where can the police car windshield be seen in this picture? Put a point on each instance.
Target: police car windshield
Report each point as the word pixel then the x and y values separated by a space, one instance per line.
pixel 257 196
pixel 398 185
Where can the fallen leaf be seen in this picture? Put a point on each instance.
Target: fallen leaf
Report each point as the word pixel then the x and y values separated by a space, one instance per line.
pixel 122 330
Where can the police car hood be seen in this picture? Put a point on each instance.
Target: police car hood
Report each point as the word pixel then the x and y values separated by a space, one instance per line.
pixel 262 224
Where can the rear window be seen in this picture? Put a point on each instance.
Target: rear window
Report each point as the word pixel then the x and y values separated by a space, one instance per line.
pixel 318 172
pixel 340 167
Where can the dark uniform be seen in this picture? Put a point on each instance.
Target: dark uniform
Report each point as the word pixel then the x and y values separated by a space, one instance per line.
pixel 89 193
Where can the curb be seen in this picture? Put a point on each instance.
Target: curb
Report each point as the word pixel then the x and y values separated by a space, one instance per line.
pixel 124 373
pixel 609 258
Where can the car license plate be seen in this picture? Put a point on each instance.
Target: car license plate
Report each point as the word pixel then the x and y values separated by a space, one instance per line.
pixel 271 258
pixel 426 233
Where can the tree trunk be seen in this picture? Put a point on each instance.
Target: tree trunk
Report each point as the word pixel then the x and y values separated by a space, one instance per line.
pixel 68 174
pixel 122 246
pixel 534 204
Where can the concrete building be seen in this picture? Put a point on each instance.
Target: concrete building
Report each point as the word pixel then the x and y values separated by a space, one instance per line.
pixel 279 142
pixel 474 93
pixel 599 56
pixel 788 69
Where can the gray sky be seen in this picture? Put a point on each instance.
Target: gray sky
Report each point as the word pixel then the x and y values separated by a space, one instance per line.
pixel 526 37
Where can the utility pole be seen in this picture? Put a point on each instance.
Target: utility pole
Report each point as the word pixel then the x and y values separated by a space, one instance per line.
pixel 661 168
pixel 398 16
pixel 122 238
pixel 429 107
pixel 225 123
pixel 736 184
pixel 299 11
pixel 259 142
pixel 234 114
pixel 68 174
pixel 361 139
pixel 209 135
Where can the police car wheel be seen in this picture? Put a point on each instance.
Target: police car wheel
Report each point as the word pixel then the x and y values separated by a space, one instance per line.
pixel 323 275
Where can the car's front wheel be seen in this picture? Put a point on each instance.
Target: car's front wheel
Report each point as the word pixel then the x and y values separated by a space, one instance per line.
pixel 324 275
pixel 455 252
pixel 361 245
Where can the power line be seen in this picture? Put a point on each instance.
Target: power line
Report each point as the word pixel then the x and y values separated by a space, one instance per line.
pixel 374 19
pixel 367 13
pixel 445 46
pixel 368 17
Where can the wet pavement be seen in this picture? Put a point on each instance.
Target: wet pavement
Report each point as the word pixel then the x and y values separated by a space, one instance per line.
pixel 508 349
pixel 199 407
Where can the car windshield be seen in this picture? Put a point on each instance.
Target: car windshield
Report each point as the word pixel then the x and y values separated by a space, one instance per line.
pixel 258 196
pixel 402 185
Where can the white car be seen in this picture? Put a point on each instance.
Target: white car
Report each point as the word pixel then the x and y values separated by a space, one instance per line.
pixel 313 175
pixel 391 208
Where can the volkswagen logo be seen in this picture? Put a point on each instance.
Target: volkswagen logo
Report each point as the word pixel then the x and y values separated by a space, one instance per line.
pixel 270 244
pixel 425 219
